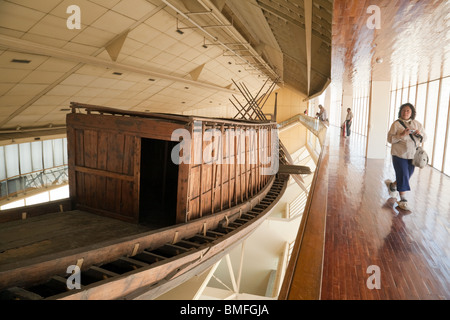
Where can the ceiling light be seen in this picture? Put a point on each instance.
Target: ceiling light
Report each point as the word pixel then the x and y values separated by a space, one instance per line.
pixel 379 60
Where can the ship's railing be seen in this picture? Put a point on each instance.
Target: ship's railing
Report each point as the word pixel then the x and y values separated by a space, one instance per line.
pixel 303 275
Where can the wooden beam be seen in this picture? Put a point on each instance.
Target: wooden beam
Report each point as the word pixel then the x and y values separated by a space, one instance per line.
pixel 115 46
pixel 308 29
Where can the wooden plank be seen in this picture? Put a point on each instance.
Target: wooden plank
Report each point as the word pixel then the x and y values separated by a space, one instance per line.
pixel 294 169
pixel 71 147
pixel 104 173
pixel 140 127
pixel 35 210
pixel 102 271
pixel 137 177
pixel 102 159
pixel 223 165
pixel 201 172
pixel 17 293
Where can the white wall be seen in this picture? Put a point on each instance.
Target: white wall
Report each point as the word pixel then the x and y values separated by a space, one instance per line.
pixel 378 120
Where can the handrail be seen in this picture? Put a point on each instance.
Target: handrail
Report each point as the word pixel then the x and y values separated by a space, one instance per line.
pixel 317 127
pixel 36 181
pixel 303 275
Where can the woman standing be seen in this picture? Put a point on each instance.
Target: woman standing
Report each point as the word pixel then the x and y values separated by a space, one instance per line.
pixel 404 135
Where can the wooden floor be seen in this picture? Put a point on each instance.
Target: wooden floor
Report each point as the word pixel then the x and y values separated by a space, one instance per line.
pixel 364 228
pixel 22 240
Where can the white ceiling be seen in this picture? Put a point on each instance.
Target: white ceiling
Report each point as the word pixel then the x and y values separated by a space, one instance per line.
pixel 73 64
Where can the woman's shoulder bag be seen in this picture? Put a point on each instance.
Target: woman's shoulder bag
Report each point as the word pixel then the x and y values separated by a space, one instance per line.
pixel 420 159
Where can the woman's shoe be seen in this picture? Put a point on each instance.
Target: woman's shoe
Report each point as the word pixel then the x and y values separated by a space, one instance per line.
pixel 392 189
pixel 403 204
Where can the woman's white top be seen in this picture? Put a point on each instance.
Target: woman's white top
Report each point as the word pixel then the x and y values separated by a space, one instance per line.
pixel 404 147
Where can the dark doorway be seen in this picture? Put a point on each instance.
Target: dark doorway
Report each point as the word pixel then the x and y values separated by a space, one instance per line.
pixel 158 184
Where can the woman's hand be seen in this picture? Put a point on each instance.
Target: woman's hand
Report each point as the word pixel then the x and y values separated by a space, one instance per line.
pixel 405 132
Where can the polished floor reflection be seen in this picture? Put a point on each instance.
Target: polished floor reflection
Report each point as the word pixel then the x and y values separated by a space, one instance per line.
pixel 366 229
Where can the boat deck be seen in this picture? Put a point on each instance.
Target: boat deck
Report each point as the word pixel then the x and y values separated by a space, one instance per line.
pixel 364 228
pixel 22 240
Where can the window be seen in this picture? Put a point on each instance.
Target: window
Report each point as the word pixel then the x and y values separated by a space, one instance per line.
pixel 412 95
pixel 392 107
pixel 432 102
pixel 430 122
pixel 421 102
pixel 398 103
pixel 441 125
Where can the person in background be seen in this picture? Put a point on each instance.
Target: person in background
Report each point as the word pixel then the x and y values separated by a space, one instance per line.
pixel 348 121
pixel 403 150
pixel 322 114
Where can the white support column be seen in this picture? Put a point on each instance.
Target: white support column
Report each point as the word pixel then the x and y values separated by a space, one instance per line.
pixel 378 120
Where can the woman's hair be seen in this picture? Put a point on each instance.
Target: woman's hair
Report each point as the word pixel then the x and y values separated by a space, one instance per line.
pixel 413 110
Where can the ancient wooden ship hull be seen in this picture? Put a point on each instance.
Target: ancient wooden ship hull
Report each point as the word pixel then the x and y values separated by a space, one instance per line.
pixel 121 168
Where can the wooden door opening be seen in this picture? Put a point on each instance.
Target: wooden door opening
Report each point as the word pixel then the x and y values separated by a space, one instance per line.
pixel 158 184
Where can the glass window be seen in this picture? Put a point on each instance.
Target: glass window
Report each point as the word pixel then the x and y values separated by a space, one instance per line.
pixel 66 160
pixel 59 193
pixel 392 107
pixel 445 104
pixel 48 154
pixel 405 92
pixel 441 124
pixel 38 198
pixel 412 95
pixel 430 123
pixel 58 155
pixel 421 101
pixel 12 160
pixel 36 155
pixel 2 164
pixel 398 103
pixel 25 158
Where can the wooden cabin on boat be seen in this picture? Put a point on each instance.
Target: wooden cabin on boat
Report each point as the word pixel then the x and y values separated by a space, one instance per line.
pixel 126 165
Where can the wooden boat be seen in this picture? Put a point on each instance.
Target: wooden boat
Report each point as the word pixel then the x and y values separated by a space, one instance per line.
pixel 136 223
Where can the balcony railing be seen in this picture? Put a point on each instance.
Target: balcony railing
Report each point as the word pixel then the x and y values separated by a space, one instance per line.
pixel 17 186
